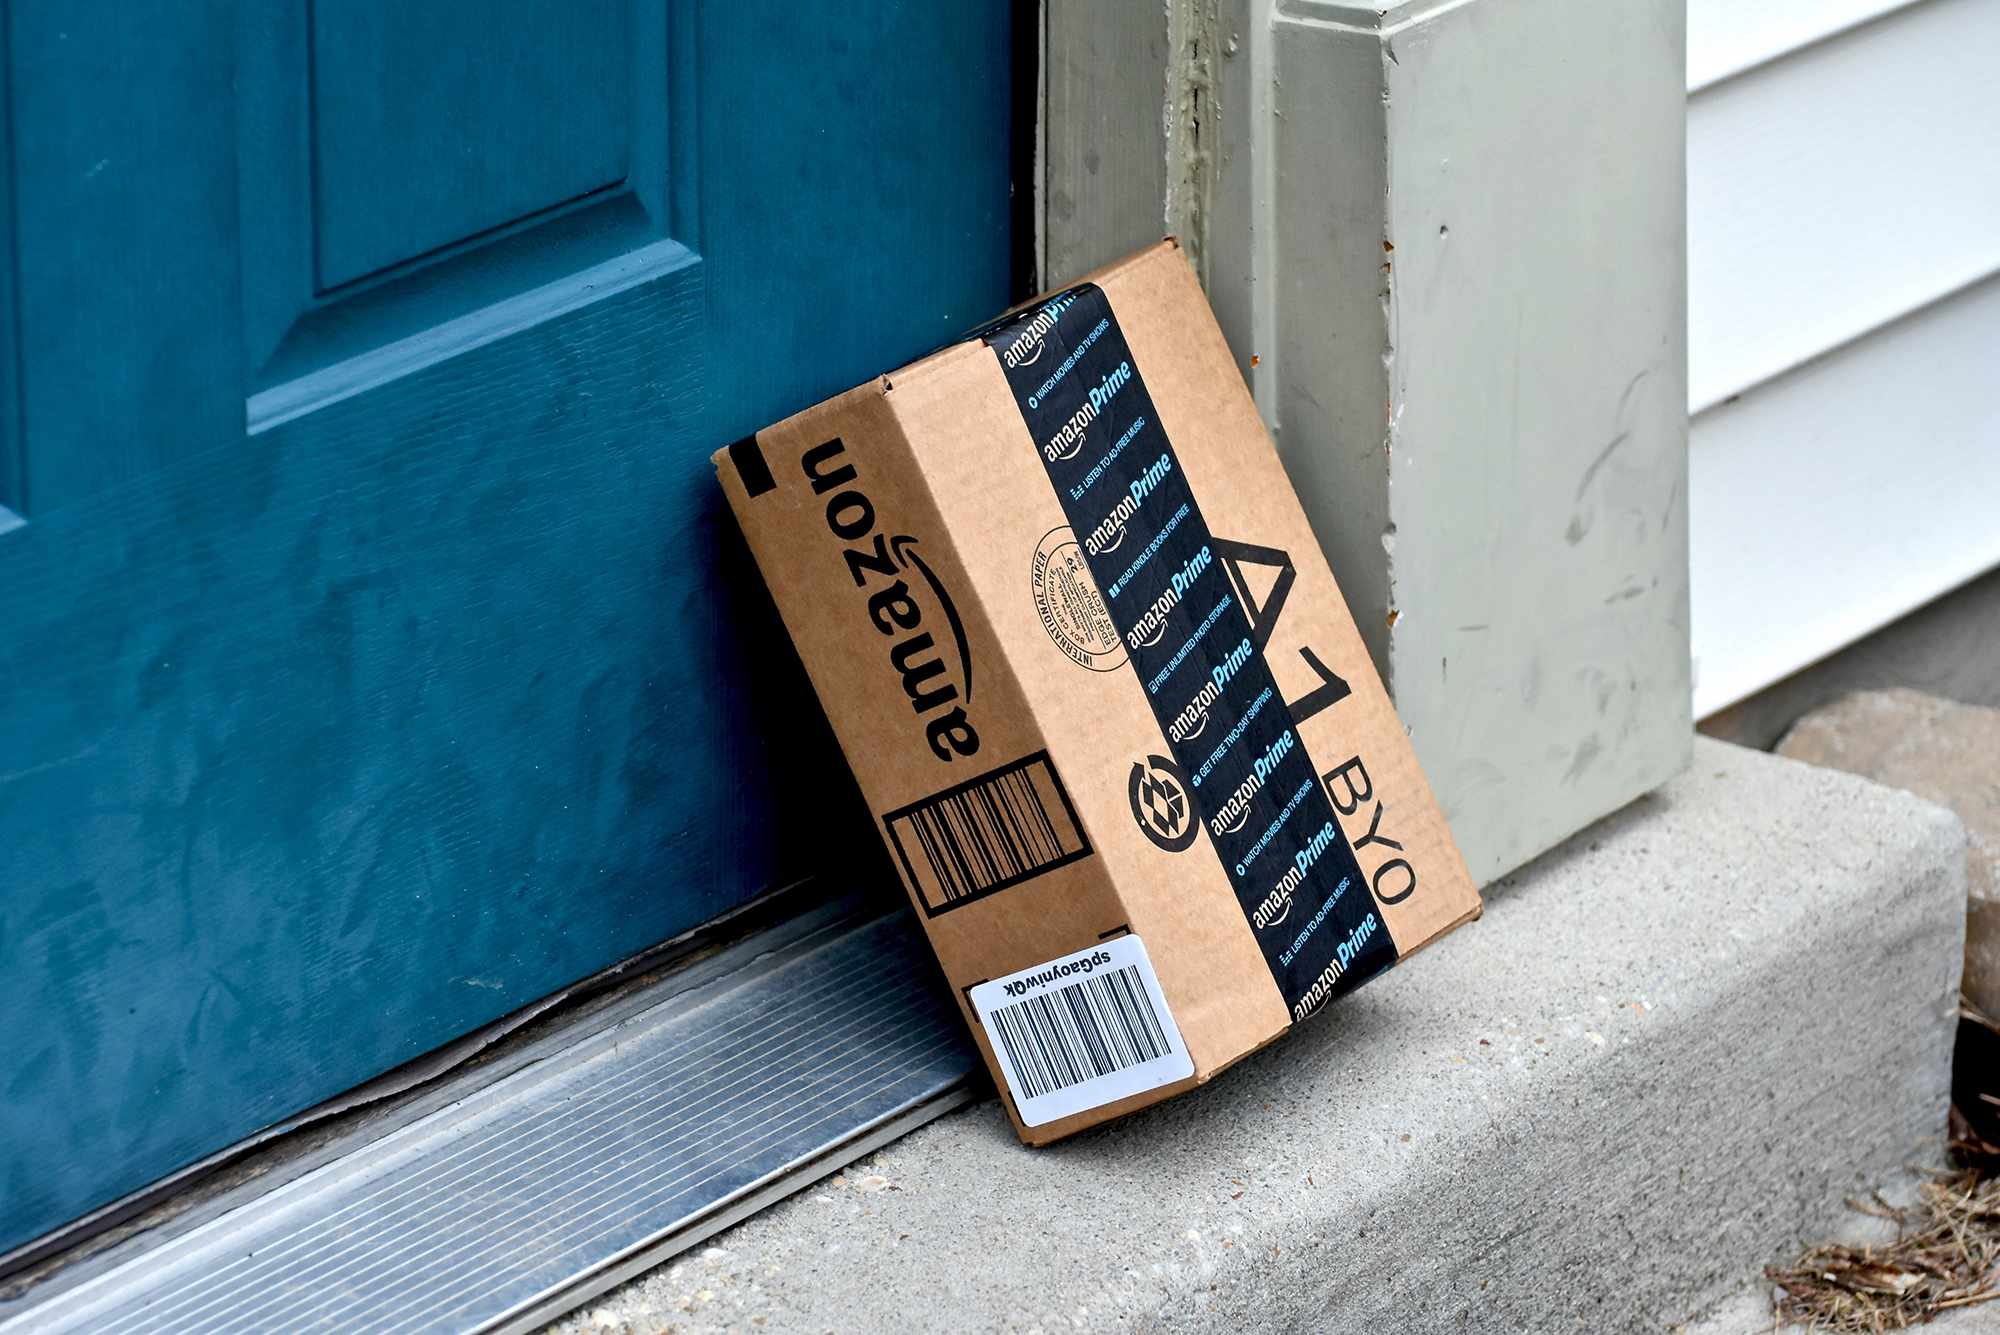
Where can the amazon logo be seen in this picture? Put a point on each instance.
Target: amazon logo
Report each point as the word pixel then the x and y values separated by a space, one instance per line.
pixel 923 646
pixel 1026 349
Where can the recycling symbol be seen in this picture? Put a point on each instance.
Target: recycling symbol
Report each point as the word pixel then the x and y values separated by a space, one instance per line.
pixel 1159 792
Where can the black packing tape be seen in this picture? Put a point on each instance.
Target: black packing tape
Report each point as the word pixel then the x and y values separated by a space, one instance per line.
pixel 1234 746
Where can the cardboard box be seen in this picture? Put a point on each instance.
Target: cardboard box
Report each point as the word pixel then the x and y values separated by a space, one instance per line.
pixel 1097 683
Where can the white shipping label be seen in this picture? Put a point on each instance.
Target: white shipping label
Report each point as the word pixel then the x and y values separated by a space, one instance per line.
pixel 1082 1031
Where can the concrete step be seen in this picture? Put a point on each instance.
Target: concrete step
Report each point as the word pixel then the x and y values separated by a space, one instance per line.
pixel 1661 1061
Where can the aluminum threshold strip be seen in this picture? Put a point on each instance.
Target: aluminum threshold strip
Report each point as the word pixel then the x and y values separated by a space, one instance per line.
pixel 440 1074
pixel 668 1118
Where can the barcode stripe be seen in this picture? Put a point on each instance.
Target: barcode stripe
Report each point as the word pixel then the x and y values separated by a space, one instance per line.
pixel 934 854
pixel 959 837
pixel 1032 816
pixel 986 836
pixel 1090 1032
pixel 1121 1033
pixel 1135 1012
pixel 1000 817
pixel 1025 807
pixel 950 827
pixel 996 831
pixel 1089 1028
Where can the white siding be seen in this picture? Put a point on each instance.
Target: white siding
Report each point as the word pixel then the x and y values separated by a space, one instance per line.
pixel 1846 446
pixel 1726 37
pixel 1843 495
pixel 1839 188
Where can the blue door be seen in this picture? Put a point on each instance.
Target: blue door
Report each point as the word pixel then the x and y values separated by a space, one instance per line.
pixel 376 655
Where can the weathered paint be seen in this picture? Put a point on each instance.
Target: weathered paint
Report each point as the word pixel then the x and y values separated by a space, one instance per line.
pixel 1104 135
pixel 1449 251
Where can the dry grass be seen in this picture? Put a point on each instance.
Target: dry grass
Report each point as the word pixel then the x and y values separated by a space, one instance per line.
pixel 1946 1254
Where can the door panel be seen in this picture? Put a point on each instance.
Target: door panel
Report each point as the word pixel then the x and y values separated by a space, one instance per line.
pixel 127 333
pixel 400 166
pixel 328 743
pixel 431 125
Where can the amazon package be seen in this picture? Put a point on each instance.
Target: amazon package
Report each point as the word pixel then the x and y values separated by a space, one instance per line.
pixel 1119 733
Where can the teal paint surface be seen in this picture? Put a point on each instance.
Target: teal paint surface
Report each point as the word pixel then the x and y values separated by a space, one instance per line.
pixel 324 745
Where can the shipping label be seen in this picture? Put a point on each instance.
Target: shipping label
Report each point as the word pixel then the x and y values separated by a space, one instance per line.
pixel 1082 1031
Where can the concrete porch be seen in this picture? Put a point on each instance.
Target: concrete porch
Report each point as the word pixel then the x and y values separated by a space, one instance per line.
pixel 1670 1049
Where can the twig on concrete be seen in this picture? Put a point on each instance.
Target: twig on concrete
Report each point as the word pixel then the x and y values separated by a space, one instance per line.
pixel 1947 1257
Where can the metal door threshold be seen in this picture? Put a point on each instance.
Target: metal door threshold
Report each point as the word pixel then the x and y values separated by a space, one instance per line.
pixel 642 1130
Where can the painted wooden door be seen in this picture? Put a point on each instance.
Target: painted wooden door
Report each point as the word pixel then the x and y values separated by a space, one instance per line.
pixel 376 656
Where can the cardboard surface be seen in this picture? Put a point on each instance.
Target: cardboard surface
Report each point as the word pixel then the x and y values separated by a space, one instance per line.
pixel 1053 769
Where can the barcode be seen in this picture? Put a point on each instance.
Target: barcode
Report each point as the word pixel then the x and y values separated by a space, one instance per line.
pixel 1081 1031
pixel 986 834
pixel 1102 1024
